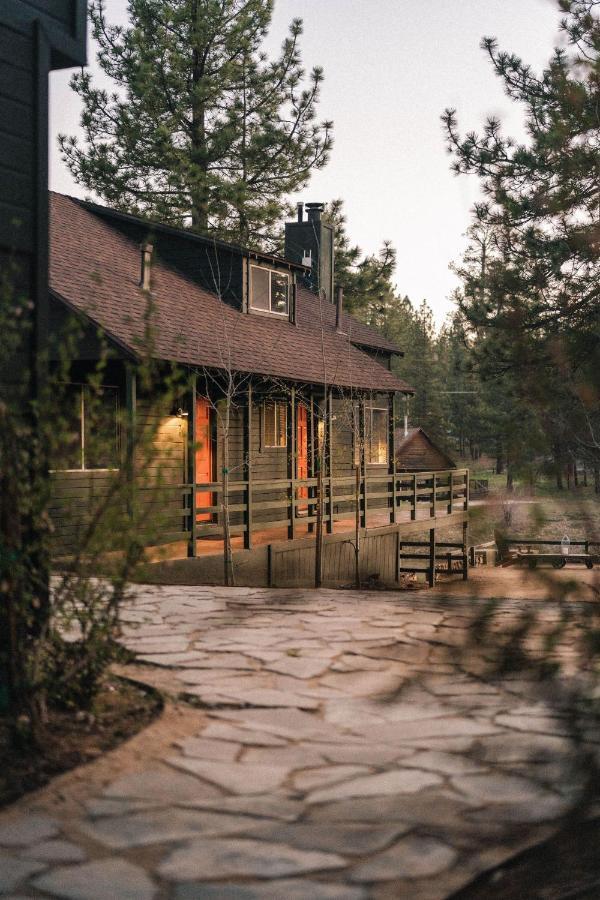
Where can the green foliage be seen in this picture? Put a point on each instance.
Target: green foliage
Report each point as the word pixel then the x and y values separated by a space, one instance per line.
pixel 531 273
pixel 54 649
pixel 202 128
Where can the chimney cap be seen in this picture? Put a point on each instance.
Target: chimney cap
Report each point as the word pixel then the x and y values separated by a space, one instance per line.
pixel 314 211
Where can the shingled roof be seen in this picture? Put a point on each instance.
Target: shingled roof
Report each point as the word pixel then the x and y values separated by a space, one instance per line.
pixel 94 268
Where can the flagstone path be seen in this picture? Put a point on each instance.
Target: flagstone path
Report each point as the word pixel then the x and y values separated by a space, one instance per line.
pixel 335 749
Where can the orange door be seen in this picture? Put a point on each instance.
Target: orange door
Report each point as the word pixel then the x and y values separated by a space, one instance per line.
pixel 302 450
pixel 204 461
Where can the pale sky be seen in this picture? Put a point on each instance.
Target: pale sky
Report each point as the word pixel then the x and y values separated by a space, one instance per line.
pixel 391 68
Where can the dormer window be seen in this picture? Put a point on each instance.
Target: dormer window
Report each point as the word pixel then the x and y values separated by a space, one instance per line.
pixel 269 290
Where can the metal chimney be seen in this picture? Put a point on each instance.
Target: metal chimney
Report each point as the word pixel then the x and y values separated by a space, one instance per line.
pixel 146 266
pixel 339 305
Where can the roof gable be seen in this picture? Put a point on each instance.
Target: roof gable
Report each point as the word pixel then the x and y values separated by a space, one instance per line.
pixel 94 268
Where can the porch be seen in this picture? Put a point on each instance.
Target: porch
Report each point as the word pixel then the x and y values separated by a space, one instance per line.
pixel 279 548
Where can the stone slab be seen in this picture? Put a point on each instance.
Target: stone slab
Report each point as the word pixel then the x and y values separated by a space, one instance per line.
pixel 29 829
pixel 237 778
pixel 290 889
pixel 14 870
pixel 160 784
pixel 412 857
pixel 383 784
pixel 245 858
pixel 55 852
pixel 105 879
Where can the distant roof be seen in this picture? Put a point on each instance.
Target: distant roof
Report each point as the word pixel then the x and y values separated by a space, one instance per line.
pixel 94 268
pixel 418 456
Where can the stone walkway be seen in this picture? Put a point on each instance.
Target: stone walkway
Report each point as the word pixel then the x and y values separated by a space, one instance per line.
pixel 340 751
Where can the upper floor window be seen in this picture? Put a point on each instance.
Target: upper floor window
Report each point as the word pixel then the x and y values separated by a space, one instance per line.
pixel 269 290
pixel 89 429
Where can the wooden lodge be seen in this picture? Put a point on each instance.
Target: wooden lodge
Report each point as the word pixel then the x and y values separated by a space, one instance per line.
pixel 281 392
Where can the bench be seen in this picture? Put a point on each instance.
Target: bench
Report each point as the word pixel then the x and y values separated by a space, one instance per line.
pixel 556 560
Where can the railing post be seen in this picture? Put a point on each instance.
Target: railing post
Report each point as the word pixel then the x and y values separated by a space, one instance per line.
pixel 413 511
pixel 465 565
pixel 392 458
pixel 192 465
pixel 363 461
pixel 329 407
pixel 466 501
pixel 433 510
pixel 248 468
pixel 431 570
pixel 397 557
pixel 292 463
pixel 311 471
pixel 131 428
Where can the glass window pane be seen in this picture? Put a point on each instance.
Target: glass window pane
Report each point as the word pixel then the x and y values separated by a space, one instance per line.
pixel 66 450
pixel 259 289
pixel 101 428
pixel 379 436
pixel 279 292
pixel 281 425
pixel 269 413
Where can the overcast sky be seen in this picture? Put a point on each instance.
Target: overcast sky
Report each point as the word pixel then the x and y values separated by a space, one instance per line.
pixel 391 68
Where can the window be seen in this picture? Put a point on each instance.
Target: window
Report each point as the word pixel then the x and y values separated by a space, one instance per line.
pixel 275 424
pixel 90 429
pixel 269 290
pixel 377 436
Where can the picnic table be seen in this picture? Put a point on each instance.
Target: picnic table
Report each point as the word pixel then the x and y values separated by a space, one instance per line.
pixel 556 560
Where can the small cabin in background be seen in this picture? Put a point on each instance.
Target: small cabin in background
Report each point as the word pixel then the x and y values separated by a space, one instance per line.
pixel 416 452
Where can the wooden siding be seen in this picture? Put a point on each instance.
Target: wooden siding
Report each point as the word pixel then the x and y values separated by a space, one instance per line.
pixel 420 455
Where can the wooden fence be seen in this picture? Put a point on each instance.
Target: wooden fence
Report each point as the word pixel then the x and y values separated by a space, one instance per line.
pixel 255 506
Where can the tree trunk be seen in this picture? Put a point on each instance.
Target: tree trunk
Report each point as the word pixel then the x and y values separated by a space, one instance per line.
pixel 357 529
pixel 228 579
pixel 319 534
pixel 499 459
pixel 596 479
pixel 509 477
pixel 198 150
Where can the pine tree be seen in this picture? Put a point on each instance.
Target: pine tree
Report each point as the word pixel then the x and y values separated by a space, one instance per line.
pixel 366 279
pixel 202 129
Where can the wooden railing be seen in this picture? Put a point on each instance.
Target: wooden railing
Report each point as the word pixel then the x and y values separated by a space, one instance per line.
pixel 291 503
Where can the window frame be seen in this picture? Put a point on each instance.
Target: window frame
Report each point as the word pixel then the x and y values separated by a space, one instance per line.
pixel 83 468
pixel 276 404
pixel 370 410
pixel 270 311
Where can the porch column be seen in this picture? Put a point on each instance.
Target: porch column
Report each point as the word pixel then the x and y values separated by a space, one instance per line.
pixel 431 570
pixel 291 442
pixel 248 466
pixel 392 458
pixel 329 407
pixel 191 473
pixel 131 425
pixel 311 458
pixel 363 459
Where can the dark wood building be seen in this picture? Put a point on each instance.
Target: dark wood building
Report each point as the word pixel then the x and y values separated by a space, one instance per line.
pixel 416 452
pixel 36 37
pixel 313 392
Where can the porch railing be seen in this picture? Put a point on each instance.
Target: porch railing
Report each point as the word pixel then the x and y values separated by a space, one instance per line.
pixel 292 503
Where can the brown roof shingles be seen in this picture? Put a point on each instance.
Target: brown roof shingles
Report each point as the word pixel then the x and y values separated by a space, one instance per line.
pixel 95 269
